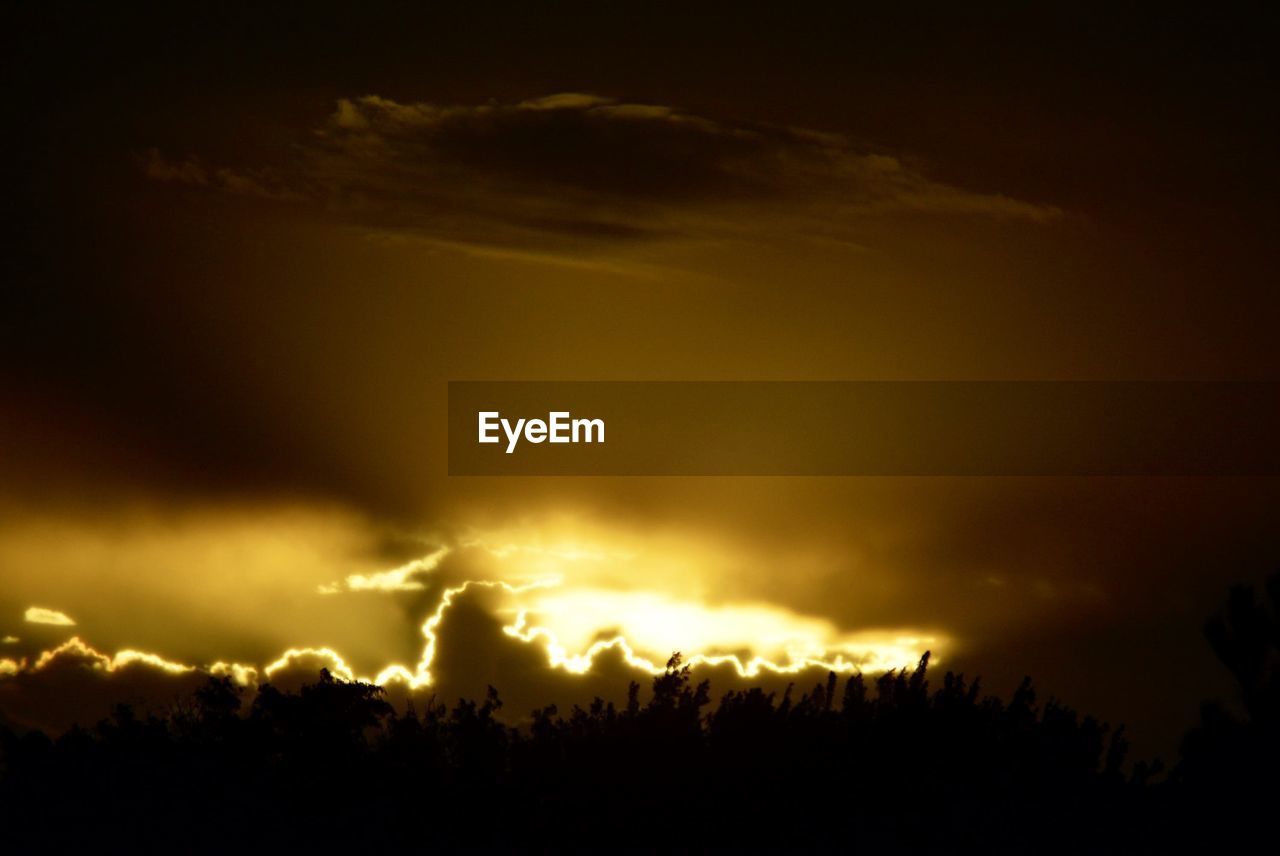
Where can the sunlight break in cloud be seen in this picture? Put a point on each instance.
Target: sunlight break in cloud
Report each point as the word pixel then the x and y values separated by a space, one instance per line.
pixel 572 592
pixel 751 636
pixel 576 599
pixel 40 615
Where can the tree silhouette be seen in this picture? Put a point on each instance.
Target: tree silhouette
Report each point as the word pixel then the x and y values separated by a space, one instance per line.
pixel 1245 636
pixel 1230 762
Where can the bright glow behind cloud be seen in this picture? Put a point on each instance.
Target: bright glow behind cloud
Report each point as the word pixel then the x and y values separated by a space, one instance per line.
pixel 657 624
pixel 568 589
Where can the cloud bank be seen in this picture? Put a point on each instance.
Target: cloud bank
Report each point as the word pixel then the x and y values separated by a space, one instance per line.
pixel 544 621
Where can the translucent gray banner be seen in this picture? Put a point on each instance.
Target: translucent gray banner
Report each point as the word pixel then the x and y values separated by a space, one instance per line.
pixel 860 428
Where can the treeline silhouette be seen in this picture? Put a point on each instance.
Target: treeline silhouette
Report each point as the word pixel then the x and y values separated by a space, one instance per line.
pixel 896 763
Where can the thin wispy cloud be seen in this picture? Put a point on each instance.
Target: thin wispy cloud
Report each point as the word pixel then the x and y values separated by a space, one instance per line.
pixel 575 170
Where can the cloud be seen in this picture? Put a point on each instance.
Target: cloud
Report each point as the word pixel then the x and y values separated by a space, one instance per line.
pixel 40 615
pixel 76 650
pixel 574 170
pixel 263 184
pixel 402 578
pixel 751 637
pixel 74 683
pixel 546 621
pixel 207 582
pixel 573 602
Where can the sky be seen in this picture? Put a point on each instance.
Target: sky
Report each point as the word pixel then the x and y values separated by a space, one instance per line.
pixel 252 247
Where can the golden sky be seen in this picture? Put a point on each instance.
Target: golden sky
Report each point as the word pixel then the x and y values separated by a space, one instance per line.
pixel 249 266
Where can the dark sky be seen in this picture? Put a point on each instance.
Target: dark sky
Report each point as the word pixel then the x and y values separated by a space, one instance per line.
pixel 251 246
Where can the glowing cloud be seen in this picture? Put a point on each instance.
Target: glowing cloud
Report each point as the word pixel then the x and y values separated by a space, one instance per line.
pixel 577 598
pixel 75 648
pixel 327 657
pixel 40 615
pixel 574 621
pixel 751 637
pixel 396 579
pixel 241 674
pixel 573 598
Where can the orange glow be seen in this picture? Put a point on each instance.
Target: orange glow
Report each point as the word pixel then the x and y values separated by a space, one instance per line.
pixel 74 647
pixel 573 622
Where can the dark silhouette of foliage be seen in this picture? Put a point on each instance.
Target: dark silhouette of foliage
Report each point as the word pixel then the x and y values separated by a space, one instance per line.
pixel 895 763
pixel 1230 764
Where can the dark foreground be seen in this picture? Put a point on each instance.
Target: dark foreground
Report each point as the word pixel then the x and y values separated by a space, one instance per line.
pixel 902 763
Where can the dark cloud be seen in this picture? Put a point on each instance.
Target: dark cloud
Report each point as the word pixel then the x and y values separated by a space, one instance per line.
pixel 74 684
pixel 581 168
pixel 264 184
